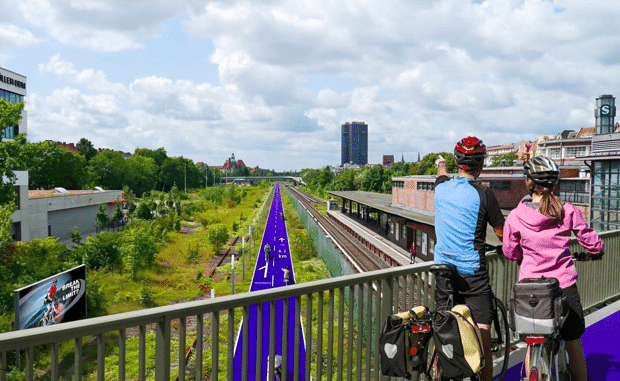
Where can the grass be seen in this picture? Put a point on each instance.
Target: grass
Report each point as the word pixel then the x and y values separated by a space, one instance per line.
pixel 179 275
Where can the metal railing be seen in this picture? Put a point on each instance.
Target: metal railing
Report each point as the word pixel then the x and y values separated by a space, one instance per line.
pixel 334 314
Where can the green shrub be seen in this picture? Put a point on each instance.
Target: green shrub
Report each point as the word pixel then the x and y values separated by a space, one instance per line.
pixel 147 299
pixel 194 253
pixel 218 236
pixel 95 299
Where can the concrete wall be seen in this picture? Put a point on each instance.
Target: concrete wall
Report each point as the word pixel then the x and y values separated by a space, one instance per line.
pixel 62 213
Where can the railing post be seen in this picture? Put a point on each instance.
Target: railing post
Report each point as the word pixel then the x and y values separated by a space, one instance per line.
pixel 162 350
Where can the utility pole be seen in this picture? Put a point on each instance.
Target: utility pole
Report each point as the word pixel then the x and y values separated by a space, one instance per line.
pixel 233 273
pixel 243 256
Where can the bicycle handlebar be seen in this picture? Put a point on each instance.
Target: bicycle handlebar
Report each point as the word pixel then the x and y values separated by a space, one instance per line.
pixel 583 256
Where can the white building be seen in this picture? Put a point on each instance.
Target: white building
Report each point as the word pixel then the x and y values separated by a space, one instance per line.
pixel 41 214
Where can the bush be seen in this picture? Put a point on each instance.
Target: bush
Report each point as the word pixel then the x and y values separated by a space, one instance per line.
pixel 101 251
pixel 147 299
pixel 144 211
pixel 194 253
pixel 95 300
pixel 218 236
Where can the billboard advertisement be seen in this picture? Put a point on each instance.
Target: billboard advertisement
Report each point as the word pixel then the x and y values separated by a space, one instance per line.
pixel 57 299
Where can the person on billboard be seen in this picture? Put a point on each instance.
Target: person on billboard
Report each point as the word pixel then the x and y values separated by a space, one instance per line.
pixel 51 293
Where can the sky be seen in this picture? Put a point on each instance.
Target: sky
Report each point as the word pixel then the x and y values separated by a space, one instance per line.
pixel 273 81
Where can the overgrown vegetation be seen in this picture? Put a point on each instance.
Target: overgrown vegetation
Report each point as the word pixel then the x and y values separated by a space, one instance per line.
pixel 150 263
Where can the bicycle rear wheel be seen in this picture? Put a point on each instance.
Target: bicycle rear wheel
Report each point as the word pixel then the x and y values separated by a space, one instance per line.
pixel 540 363
pixel 500 336
pixel 432 371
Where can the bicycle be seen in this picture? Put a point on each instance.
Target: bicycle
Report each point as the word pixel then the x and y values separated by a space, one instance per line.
pixel 419 320
pixel 546 356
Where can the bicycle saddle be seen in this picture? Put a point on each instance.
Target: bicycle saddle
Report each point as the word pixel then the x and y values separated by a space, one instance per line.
pixel 443 268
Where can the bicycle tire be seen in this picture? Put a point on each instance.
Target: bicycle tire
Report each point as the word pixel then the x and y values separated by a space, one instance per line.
pixel 540 360
pixel 432 370
pixel 562 363
pixel 500 327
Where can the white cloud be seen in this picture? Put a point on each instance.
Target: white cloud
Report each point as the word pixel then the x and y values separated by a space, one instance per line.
pixel 108 26
pixel 421 74
pixel 13 35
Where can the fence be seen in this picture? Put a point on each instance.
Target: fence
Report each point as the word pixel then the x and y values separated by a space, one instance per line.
pixel 332 321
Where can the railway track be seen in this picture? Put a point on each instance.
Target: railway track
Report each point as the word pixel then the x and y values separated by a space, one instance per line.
pixel 222 257
pixel 364 258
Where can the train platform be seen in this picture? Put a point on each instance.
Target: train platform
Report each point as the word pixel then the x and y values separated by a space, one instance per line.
pixel 381 243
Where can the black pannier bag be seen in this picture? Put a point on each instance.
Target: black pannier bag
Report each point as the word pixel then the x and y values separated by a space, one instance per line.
pixel 394 344
pixel 538 308
pixel 458 343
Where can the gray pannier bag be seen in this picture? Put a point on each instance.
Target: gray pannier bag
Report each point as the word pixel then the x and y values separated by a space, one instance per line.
pixel 538 308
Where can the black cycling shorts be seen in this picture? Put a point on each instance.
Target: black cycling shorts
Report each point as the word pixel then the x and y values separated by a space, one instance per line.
pixel 575 324
pixel 473 290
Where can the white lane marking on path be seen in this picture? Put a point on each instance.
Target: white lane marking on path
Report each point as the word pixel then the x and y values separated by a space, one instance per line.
pixel 265 267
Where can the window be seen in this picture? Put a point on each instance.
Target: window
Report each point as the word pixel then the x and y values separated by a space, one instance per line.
pixel 426 186
pixel 398 184
pixel 17 200
pixel 555 153
pixel 418 237
pixel 431 246
pixel 404 233
pixel 575 151
pixel 499 185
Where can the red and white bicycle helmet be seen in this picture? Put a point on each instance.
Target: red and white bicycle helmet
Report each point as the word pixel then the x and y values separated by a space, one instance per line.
pixel 470 153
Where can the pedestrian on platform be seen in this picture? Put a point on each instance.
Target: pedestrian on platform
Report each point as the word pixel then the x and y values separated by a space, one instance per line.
pixel 267 250
pixel 412 251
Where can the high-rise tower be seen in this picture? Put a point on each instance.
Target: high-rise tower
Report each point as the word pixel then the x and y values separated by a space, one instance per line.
pixel 354 140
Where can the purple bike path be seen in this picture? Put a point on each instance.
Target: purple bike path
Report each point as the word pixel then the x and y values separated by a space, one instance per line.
pixel 269 274
pixel 601 344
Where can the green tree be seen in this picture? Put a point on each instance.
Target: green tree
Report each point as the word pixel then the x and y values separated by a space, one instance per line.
pixel 139 247
pixel 172 172
pixel 506 160
pixel 426 166
pixel 10 115
pixel 141 174
pixel 345 180
pixel 86 149
pixel 158 155
pixel 101 251
pixel 101 218
pixel 110 169
pixel 144 211
pixel 55 166
pixel 218 236
pixel 6 224
pixel 118 213
pixel 76 237
pixel 371 179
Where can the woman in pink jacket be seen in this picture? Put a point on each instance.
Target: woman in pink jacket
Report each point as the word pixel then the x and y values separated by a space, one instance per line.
pixel 538 233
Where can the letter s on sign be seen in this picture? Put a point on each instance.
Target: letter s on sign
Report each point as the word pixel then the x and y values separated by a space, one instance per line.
pixel 605 110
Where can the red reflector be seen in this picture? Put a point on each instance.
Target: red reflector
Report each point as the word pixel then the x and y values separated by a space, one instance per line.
pixel 535 340
pixel 413 351
pixel 423 328
pixel 533 375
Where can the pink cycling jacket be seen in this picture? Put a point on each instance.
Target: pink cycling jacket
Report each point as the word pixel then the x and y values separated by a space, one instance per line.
pixel 544 246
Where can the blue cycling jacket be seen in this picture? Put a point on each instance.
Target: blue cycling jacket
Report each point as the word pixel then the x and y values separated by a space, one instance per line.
pixel 463 208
